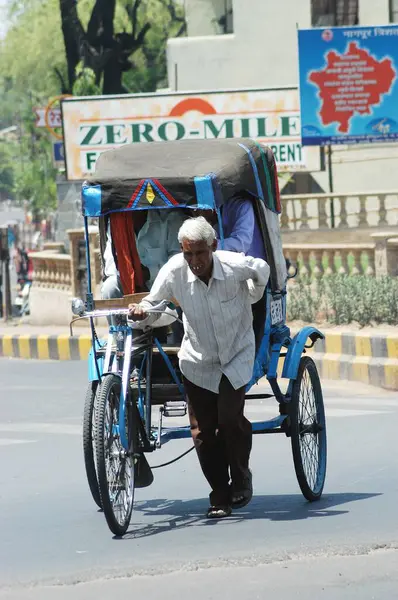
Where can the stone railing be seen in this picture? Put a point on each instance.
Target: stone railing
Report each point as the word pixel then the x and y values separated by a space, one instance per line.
pixel 317 260
pixel 78 257
pixel 376 258
pixel 51 292
pixel 354 210
pixel 57 277
pixel 51 270
pixel 55 247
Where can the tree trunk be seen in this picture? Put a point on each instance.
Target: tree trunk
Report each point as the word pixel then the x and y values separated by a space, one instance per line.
pixel 100 27
pixel 113 77
pixel 73 37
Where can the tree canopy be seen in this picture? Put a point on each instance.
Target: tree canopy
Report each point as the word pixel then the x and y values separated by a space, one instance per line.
pixel 84 47
pixel 49 38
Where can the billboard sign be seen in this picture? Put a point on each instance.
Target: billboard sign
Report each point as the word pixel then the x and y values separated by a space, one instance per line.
pixel 348 85
pixel 54 117
pixel 94 124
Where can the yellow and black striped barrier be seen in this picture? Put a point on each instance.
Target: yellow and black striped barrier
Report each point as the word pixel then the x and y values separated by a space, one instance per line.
pixel 370 358
pixel 46 347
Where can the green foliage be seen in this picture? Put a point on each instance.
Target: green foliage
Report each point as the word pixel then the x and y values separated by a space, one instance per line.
pixel 33 48
pixel 344 299
pixel 6 167
pixel 32 176
pixel 149 70
pixel 85 84
pixel 32 57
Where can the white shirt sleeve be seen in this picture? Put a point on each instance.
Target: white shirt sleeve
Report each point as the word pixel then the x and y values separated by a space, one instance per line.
pixel 257 270
pixel 109 261
pixel 161 290
pixel 258 274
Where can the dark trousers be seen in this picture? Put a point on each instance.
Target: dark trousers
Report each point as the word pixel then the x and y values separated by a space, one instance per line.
pixel 259 316
pixel 222 436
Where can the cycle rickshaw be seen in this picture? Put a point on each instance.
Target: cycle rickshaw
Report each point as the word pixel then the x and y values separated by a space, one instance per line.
pixel 118 429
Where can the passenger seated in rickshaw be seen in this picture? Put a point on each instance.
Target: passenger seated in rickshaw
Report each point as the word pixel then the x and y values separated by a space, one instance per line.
pixel 156 242
pixel 145 244
pixel 241 233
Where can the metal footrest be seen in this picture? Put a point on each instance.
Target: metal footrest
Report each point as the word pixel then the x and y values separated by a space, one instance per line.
pixel 175 409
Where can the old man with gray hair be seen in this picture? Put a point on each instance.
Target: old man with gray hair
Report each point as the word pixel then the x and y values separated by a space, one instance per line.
pixel 217 353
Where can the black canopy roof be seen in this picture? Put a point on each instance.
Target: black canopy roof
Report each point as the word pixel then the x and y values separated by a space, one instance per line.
pixel 181 173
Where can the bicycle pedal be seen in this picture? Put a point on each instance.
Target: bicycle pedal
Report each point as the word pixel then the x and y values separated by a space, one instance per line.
pixel 175 409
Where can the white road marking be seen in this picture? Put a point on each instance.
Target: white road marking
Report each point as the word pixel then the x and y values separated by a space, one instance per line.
pixel 352 412
pixel 330 412
pixel 54 428
pixel 12 442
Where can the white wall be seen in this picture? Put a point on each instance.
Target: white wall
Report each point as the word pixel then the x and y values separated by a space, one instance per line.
pixel 373 12
pixel 261 51
pixel 202 16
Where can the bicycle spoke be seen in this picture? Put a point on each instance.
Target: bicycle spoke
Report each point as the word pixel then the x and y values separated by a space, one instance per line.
pixel 309 431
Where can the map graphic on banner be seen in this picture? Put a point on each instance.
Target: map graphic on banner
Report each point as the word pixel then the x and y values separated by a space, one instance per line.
pixel 348 85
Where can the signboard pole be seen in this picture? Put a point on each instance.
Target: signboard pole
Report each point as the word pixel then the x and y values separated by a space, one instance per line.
pixel 331 189
pixel 5 264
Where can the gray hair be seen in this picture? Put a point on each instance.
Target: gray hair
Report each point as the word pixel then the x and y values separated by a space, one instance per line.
pixel 197 230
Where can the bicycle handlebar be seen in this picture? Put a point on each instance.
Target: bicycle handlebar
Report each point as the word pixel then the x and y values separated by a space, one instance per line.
pixel 160 308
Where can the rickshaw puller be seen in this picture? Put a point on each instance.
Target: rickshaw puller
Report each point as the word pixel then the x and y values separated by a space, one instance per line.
pixel 217 353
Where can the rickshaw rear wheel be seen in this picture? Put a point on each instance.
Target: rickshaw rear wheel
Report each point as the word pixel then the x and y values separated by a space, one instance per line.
pixel 115 466
pixel 308 430
pixel 89 435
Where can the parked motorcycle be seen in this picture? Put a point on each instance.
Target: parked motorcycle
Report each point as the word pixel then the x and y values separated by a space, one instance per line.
pixel 21 302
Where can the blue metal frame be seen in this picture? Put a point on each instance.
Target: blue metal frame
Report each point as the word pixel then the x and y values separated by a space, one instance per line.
pixel 296 348
pixel 275 338
pixel 269 426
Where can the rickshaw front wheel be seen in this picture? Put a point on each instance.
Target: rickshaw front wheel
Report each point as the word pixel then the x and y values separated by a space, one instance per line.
pixel 89 440
pixel 115 466
pixel 308 430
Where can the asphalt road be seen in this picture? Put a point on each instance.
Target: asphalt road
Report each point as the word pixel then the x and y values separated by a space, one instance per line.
pixel 345 546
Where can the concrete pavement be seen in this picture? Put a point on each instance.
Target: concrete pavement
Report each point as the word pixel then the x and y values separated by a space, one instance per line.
pixel 51 531
pixel 372 575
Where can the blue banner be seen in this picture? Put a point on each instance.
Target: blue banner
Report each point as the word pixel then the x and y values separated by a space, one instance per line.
pixel 348 85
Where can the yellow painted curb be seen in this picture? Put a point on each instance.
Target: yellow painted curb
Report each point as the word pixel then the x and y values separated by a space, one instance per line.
pixel 360 369
pixel 7 345
pixel 392 347
pixel 42 347
pixel 24 346
pixel 84 346
pixel 63 347
pixel 333 343
pixel 363 346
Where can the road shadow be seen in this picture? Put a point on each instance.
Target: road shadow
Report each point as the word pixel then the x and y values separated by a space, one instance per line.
pixel 165 515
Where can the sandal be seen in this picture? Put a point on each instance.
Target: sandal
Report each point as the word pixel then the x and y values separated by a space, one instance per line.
pixel 242 497
pixel 218 512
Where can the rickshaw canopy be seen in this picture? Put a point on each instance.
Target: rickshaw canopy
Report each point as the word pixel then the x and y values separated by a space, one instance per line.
pixel 188 173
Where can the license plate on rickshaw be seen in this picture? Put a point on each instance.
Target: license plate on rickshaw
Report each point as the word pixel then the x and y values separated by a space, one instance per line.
pixel 276 311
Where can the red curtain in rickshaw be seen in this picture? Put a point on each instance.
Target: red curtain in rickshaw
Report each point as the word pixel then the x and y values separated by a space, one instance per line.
pixel 128 260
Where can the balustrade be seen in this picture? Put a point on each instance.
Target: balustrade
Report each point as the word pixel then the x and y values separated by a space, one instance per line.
pixel 51 270
pixel 319 260
pixel 354 210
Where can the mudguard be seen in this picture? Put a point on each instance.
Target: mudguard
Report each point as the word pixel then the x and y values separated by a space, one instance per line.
pixel 296 347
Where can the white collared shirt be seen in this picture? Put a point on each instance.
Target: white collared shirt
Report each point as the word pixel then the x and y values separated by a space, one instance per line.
pixel 218 320
pixel 157 241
